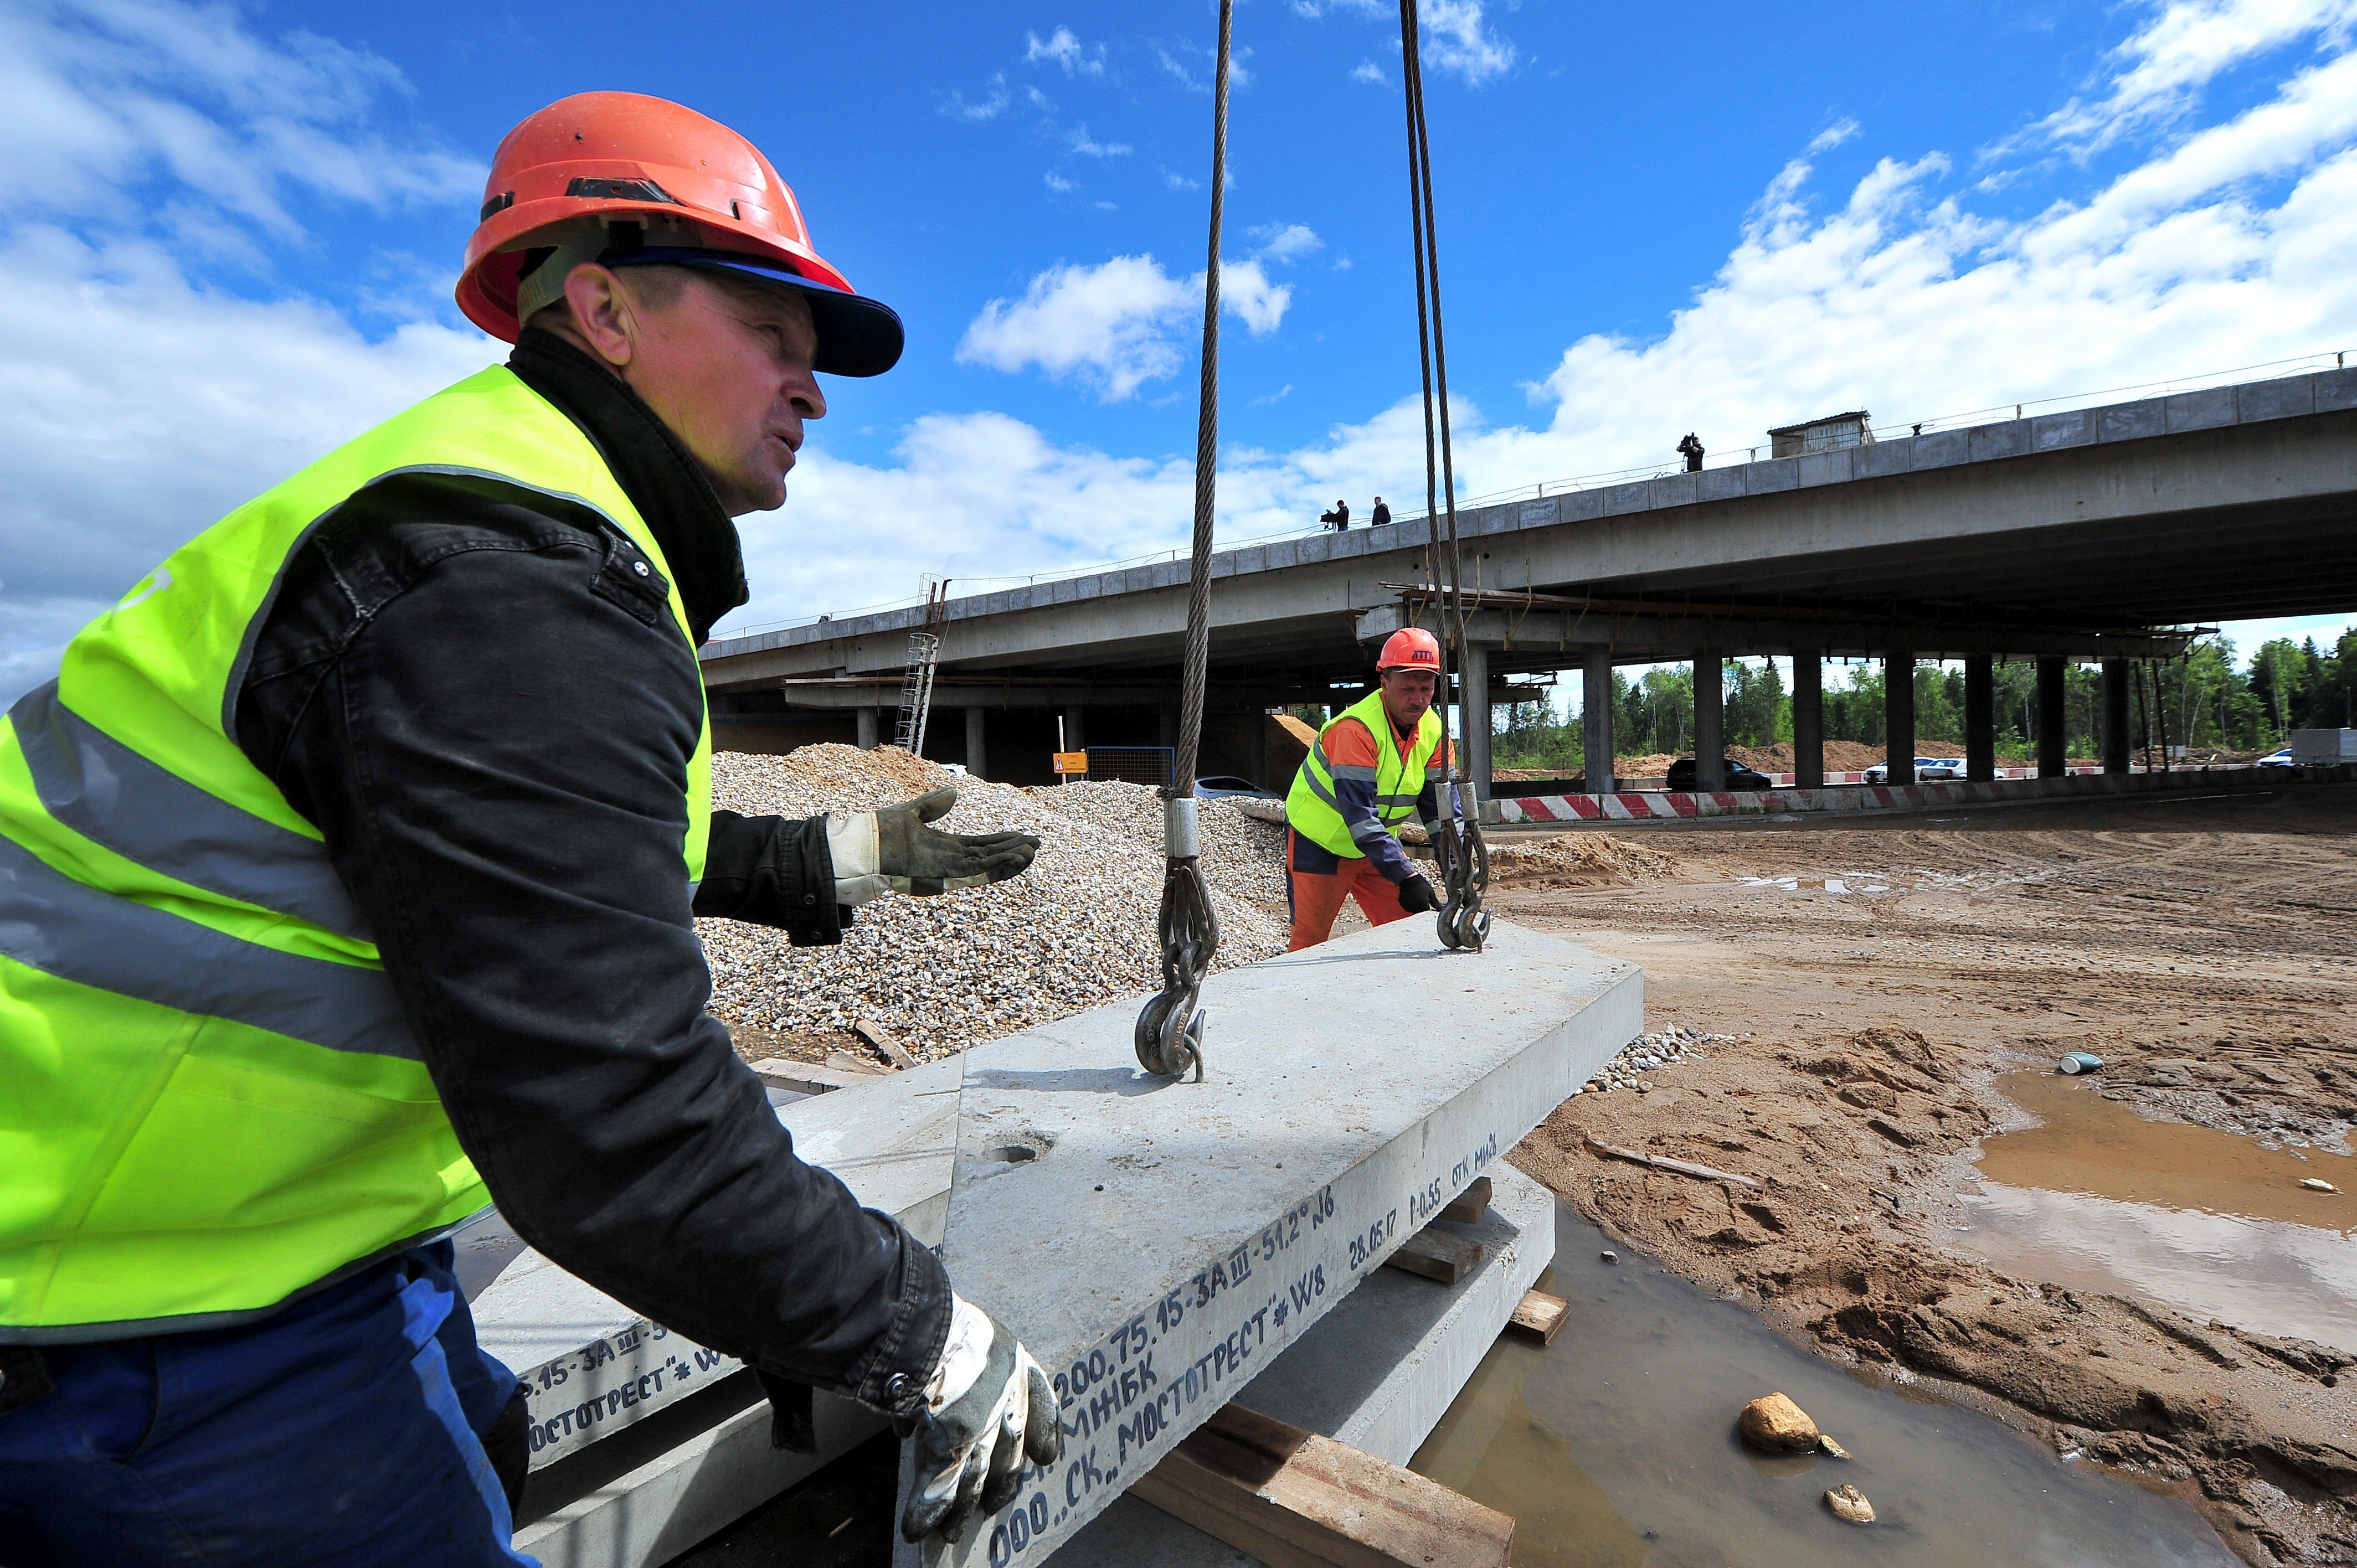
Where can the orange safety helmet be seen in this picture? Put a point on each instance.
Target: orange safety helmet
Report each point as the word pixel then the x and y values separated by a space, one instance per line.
pixel 1410 648
pixel 674 186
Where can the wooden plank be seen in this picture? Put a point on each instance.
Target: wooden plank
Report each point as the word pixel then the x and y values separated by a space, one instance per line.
pixel 1436 1255
pixel 1540 1317
pixel 844 1061
pixel 1468 1206
pixel 1297 1499
pixel 1680 1167
pixel 884 1044
pixel 809 1078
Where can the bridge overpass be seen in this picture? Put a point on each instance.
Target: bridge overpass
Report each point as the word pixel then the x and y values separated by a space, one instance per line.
pixel 2096 534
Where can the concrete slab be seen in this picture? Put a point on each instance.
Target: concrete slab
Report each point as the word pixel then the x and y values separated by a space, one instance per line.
pixel 1157 1243
pixel 2204 410
pixel 2135 421
pixel 1676 489
pixel 1619 499
pixel 1538 513
pixel 2336 390
pixel 1580 506
pixel 2007 439
pixel 2053 432
pixel 1377 1374
pixel 1826 467
pixel 1774 473
pixel 1942 448
pixel 593 1365
pixel 1720 484
pixel 2287 398
pixel 1885 458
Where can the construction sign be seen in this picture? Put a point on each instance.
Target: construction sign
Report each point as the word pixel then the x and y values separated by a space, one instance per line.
pixel 1071 761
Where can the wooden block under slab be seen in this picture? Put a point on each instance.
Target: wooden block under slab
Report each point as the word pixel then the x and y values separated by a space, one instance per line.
pixel 1468 1206
pixel 1539 1316
pixel 808 1078
pixel 1436 1255
pixel 1296 1499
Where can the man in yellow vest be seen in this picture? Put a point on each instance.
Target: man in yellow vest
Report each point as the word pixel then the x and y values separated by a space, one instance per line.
pixel 1361 780
pixel 348 879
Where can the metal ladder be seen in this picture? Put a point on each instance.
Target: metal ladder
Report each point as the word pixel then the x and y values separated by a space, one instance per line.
pixel 917 688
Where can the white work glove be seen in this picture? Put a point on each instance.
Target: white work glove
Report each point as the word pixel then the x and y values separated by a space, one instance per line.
pixel 988 1407
pixel 893 850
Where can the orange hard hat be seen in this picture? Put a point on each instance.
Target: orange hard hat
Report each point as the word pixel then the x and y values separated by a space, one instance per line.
pixel 673 187
pixel 1410 648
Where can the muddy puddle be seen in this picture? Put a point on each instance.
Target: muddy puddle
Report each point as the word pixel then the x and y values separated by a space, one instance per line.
pixel 1616 1447
pixel 2215 1224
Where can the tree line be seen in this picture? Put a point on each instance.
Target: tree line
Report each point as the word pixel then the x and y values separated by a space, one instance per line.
pixel 2205 701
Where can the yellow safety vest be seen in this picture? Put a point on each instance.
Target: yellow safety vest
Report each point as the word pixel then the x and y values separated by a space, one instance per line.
pixel 1310 806
pixel 210 1098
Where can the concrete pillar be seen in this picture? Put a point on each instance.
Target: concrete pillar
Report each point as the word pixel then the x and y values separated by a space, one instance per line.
pixel 2114 723
pixel 1980 717
pixel 1166 725
pixel 1710 720
pixel 1258 747
pixel 1596 718
pixel 1474 717
pixel 1808 718
pixel 1076 727
pixel 977 751
pixel 868 720
pixel 2053 722
pixel 1899 716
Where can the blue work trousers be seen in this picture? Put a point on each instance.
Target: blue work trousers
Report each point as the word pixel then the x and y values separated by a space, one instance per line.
pixel 344 1430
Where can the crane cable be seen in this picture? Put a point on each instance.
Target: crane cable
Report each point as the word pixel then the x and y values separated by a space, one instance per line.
pixel 1169 1032
pixel 1457 839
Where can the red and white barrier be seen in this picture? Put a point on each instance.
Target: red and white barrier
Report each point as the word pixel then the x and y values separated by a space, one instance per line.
pixel 1655 805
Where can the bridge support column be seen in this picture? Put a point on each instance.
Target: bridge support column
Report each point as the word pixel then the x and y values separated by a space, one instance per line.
pixel 1258 749
pixel 1710 719
pixel 1076 727
pixel 868 721
pixel 976 742
pixel 1808 718
pixel 1899 716
pixel 1596 718
pixel 1166 725
pixel 1473 692
pixel 2114 726
pixel 1980 717
pixel 2053 722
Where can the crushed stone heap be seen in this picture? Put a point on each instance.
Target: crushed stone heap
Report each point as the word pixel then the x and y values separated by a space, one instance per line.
pixel 1075 931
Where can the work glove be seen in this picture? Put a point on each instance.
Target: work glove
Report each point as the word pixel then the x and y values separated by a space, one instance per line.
pixel 988 1407
pixel 893 850
pixel 1416 897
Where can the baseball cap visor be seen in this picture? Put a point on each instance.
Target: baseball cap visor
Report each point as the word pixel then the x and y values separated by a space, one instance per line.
pixel 857 336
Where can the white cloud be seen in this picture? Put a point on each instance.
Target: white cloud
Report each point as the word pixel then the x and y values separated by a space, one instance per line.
pixel 1113 325
pixel 1285 241
pixel 2161 69
pixel 1081 142
pixel 1368 70
pixel 1456 39
pixel 1059 184
pixel 958 107
pixel 99 96
pixel 1173 181
pixel 1061 47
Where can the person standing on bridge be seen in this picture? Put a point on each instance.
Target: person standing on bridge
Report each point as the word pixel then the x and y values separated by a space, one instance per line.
pixel 1362 779
pixel 348 873
pixel 1381 517
pixel 1340 518
pixel 1691 450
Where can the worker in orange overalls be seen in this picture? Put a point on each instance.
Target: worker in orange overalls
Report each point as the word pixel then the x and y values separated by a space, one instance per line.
pixel 1357 787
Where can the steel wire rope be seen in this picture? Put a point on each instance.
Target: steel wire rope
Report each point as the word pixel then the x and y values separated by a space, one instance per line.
pixel 1458 843
pixel 1168 1036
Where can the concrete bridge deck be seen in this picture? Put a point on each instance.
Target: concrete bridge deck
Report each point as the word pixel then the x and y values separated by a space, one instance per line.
pixel 2082 535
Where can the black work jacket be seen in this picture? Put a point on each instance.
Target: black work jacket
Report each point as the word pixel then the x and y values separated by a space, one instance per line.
pixel 489 715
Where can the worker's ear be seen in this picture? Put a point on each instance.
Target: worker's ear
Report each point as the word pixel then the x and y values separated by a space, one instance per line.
pixel 604 313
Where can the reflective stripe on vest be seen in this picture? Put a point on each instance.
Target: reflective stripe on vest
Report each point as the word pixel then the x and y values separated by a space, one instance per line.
pixel 214 1101
pixel 1311 806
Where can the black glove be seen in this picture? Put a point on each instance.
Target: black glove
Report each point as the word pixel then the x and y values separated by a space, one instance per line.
pixel 1416 897
pixel 972 1440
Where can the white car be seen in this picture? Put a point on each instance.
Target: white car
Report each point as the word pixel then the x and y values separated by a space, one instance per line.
pixel 1927 769
pixel 2279 757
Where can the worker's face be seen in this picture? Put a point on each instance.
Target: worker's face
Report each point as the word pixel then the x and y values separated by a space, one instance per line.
pixel 1407 696
pixel 728 369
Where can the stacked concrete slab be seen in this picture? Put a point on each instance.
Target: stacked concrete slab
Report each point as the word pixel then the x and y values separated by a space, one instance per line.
pixel 1352 1091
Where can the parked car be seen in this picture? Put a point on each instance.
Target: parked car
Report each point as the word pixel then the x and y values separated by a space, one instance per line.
pixel 1927 769
pixel 1222 785
pixel 1682 776
pixel 2279 757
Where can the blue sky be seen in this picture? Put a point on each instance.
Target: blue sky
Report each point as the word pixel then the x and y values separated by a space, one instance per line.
pixel 232 232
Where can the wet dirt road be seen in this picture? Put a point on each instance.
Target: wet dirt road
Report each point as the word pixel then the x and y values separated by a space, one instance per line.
pixel 2118 1293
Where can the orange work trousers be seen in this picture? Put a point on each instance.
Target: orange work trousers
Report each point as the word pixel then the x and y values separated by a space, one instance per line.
pixel 1316 880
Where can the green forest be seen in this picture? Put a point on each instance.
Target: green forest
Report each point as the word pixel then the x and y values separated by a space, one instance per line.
pixel 2207 701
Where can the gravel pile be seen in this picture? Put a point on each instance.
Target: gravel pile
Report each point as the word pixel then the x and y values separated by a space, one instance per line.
pixel 1075 931
pixel 1574 860
pixel 1651 1053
